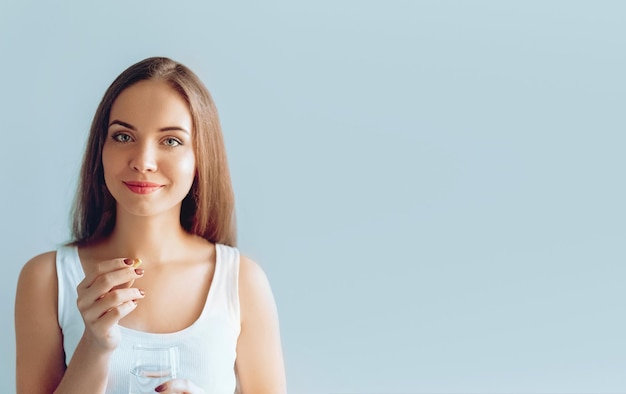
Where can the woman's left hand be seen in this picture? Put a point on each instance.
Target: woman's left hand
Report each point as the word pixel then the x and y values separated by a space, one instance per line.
pixel 179 386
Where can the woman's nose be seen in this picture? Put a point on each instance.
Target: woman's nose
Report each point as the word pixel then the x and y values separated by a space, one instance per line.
pixel 143 159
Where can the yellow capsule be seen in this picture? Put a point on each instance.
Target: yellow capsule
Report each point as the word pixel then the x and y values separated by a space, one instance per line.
pixel 136 263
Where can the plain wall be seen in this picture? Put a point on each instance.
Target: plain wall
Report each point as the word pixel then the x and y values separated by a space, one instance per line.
pixel 435 189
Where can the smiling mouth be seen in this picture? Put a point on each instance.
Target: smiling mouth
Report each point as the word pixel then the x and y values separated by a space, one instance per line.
pixel 142 187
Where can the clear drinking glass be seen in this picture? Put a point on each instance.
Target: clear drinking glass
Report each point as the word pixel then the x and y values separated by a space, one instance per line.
pixel 152 366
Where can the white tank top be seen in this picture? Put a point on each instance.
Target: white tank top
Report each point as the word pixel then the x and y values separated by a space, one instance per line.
pixel 207 348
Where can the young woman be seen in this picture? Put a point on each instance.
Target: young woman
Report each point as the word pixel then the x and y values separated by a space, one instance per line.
pixel 153 260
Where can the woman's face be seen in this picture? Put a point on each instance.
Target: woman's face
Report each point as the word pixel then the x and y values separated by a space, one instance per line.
pixel 148 157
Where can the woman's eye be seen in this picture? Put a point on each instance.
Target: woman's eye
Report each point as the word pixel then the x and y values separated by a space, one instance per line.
pixel 121 137
pixel 172 142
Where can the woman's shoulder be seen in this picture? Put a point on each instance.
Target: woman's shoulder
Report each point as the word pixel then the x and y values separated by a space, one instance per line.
pixel 41 262
pixel 37 282
pixel 255 293
pixel 250 271
pixel 39 268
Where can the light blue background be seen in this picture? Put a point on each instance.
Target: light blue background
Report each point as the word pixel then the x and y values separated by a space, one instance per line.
pixel 434 188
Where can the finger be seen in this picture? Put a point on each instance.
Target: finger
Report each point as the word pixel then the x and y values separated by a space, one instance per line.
pixel 134 263
pixel 105 284
pixel 115 279
pixel 126 285
pixel 107 266
pixel 113 316
pixel 111 300
pixel 182 386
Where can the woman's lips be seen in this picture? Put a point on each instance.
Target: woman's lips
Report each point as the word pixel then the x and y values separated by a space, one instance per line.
pixel 142 187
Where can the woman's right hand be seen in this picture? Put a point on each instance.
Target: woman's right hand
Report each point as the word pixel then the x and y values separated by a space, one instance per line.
pixel 105 297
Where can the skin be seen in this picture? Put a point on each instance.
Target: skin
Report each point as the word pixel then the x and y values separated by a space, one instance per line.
pixel 151 142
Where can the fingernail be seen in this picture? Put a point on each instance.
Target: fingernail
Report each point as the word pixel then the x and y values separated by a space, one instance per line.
pixel 128 261
pixel 142 292
pixel 160 388
pixel 136 263
pixel 139 271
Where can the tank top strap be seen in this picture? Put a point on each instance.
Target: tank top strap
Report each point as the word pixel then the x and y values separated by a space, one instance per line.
pixel 224 291
pixel 69 275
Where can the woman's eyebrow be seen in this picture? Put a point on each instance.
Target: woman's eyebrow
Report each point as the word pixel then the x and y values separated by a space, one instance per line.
pixel 174 128
pixel 129 126
pixel 119 122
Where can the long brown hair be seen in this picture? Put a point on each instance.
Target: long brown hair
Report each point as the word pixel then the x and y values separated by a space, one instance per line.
pixel 208 210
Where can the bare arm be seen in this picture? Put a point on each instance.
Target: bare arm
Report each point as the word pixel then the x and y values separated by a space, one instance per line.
pixel 260 364
pixel 40 356
pixel 39 342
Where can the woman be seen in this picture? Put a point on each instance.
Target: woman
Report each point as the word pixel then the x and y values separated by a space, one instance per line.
pixel 153 259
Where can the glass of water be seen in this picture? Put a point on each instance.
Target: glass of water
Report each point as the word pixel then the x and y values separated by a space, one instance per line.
pixel 152 366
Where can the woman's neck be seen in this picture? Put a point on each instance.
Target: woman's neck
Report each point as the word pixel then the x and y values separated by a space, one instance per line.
pixel 153 239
